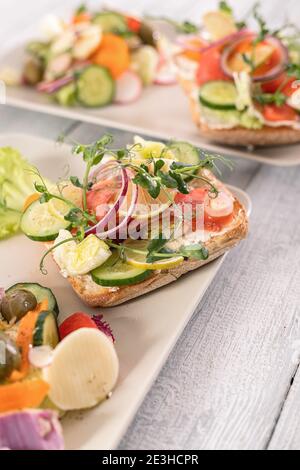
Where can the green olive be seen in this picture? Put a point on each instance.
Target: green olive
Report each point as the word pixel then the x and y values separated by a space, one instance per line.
pixel 17 303
pixel 33 72
pixel 10 357
pixel 147 34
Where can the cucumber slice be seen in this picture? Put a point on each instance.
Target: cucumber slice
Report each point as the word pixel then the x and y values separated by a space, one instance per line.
pixel 66 96
pixel 218 94
pixel 111 22
pixel 115 272
pixel 95 87
pixel 185 153
pixel 41 293
pixel 188 154
pixel 39 224
pixel 45 331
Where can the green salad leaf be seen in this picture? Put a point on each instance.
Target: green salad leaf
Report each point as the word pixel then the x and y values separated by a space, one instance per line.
pixel 17 179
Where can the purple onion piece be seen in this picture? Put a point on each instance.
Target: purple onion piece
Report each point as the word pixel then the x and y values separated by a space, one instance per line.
pixel 98 229
pixel 31 430
pixel 55 85
pixel 103 326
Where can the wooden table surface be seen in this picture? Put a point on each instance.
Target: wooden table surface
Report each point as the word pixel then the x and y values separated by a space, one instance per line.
pixel 233 379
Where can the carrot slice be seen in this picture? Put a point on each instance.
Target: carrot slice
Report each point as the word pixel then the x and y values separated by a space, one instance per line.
pixel 24 339
pixel 32 198
pixel 113 54
pixel 22 395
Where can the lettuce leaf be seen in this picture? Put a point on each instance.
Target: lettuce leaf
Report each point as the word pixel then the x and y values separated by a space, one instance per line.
pixel 16 184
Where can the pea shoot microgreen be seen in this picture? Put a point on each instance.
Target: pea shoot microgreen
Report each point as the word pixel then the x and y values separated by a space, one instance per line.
pixel 151 175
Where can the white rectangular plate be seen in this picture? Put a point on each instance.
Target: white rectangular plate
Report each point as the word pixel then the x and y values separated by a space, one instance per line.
pixel 162 111
pixel 146 329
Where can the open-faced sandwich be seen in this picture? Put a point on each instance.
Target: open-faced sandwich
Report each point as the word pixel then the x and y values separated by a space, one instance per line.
pixel 242 80
pixel 94 59
pixel 46 370
pixel 137 219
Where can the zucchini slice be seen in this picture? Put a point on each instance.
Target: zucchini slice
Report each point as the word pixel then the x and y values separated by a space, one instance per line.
pixel 41 293
pixel 185 152
pixel 95 87
pixel 111 22
pixel 116 272
pixel 218 94
pixel 46 331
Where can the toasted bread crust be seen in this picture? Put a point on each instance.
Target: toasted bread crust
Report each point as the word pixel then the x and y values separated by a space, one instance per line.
pixel 96 296
pixel 240 136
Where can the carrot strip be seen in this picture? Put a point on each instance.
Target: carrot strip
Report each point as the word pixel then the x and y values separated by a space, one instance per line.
pixel 113 54
pixel 22 395
pixel 24 339
pixel 32 198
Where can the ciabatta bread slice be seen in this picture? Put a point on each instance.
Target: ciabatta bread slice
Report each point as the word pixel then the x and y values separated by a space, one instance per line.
pixel 217 244
pixel 240 136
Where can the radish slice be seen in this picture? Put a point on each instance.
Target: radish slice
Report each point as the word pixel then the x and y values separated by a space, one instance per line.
pixel 129 88
pixel 166 74
pixel 221 206
pixel 84 370
pixel 75 322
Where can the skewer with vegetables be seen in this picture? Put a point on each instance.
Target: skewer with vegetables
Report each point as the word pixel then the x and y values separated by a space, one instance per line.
pixel 46 370
pixel 95 59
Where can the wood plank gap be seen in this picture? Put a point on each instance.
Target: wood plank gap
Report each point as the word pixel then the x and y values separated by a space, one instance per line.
pixel 281 408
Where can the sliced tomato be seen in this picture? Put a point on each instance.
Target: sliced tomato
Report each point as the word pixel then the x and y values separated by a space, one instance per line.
pixel 196 196
pixel 75 322
pixel 271 112
pixel 210 67
pixel 283 82
pixel 133 24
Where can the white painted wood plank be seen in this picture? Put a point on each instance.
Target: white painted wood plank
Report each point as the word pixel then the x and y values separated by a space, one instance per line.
pixel 287 433
pixel 224 384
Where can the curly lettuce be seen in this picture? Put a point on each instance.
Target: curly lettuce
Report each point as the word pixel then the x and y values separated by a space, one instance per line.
pixel 17 180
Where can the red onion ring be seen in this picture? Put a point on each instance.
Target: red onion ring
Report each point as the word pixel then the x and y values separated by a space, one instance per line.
pixel 184 41
pixel 226 39
pixel 99 227
pixel 55 85
pixel 272 74
pixel 112 233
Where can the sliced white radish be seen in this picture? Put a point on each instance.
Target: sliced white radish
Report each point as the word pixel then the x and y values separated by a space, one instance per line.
pixel 220 206
pixel 166 74
pixel 84 370
pixel 294 100
pixel 129 88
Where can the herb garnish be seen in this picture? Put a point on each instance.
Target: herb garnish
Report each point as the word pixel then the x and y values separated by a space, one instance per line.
pixel 149 175
pixel 223 6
